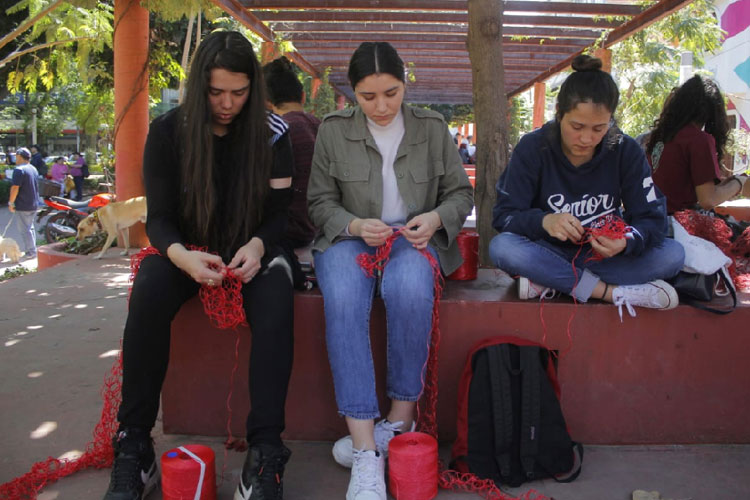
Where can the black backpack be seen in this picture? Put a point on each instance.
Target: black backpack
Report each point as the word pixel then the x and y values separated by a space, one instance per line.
pixel 510 427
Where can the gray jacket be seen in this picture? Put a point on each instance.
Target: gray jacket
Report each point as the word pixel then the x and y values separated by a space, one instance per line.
pixel 346 181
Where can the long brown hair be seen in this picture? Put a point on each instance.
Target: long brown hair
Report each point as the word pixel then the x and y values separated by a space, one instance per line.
pixel 248 158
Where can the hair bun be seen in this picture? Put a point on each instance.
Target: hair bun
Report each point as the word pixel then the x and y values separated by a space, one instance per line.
pixel 586 63
pixel 280 65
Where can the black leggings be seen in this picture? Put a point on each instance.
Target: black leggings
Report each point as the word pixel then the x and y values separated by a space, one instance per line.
pixel 159 290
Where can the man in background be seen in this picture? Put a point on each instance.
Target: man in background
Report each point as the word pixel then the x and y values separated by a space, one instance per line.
pixel 23 199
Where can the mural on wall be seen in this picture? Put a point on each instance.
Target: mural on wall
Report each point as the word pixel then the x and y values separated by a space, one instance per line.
pixel 731 65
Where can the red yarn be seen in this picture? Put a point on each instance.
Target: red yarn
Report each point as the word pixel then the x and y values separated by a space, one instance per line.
pixel 468 245
pixel 715 230
pixel 427 405
pixel 99 453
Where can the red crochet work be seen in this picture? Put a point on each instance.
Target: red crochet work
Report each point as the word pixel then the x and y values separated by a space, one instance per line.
pixel 427 405
pixel 715 230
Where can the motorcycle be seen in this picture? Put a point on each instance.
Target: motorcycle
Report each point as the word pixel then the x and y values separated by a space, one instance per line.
pixel 66 214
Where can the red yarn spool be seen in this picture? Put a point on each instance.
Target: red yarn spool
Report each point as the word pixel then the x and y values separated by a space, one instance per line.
pixel 468 245
pixel 413 466
pixel 188 473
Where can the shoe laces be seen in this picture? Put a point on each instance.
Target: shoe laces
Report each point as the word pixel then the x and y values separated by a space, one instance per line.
pixel 366 470
pixel 270 472
pixel 638 294
pixel 384 432
pixel 622 300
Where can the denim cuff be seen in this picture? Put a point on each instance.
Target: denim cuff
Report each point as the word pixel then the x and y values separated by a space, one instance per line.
pixel 360 415
pixel 399 397
pixel 585 287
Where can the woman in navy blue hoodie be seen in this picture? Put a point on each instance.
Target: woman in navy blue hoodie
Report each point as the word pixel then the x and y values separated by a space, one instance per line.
pixel 567 177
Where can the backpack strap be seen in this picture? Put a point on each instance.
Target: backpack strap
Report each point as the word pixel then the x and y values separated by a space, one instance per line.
pixel 569 477
pixel 498 359
pixel 531 407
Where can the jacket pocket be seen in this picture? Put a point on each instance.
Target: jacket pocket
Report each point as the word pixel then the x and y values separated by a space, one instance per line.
pixel 427 172
pixel 347 171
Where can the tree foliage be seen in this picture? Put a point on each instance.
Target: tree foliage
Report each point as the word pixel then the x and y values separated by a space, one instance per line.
pixel 646 64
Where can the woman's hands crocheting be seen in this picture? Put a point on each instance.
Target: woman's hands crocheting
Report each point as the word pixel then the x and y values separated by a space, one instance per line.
pixel 246 262
pixel 204 268
pixel 373 231
pixel 420 229
pixel 563 226
pixel 608 247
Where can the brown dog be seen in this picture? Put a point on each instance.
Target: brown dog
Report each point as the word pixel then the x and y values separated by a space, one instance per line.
pixel 10 249
pixel 114 218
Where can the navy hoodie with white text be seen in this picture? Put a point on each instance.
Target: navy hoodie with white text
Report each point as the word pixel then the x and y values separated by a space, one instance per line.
pixel 540 180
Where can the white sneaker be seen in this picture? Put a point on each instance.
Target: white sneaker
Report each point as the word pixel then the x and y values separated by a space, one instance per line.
pixel 384 432
pixel 656 294
pixel 368 476
pixel 527 289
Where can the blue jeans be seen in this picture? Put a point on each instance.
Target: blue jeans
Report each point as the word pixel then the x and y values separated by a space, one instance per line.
pixel 25 224
pixel 407 290
pixel 551 266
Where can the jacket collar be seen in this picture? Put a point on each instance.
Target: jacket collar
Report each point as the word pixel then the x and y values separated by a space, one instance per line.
pixel 413 134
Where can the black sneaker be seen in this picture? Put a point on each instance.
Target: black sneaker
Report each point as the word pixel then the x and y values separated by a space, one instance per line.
pixel 263 473
pixel 134 473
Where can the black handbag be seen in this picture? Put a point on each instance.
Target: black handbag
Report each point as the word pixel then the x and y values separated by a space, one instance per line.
pixel 698 289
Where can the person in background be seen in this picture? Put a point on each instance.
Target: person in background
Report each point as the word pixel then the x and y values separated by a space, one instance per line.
pixel 471 147
pixel 58 171
pixel 567 177
pixel 381 167
pixel 287 97
pixel 38 161
pixel 218 175
pixel 76 170
pixel 686 146
pixel 23 199
pixel 463 152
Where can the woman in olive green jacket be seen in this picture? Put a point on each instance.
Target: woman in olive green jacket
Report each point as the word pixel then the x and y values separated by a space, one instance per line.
pixel 378 168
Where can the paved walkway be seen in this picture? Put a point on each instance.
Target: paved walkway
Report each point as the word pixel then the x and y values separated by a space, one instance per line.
pixel 60 330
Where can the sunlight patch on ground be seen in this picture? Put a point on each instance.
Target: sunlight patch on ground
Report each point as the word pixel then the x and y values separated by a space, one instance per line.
pixel 35 327
pixel 119 279
pixel 100 307
pixel 35 374
pixel 31 291
pixel 109 354
pixel 48 495
pixel 44 294
pixel 44 429
pixel 22 332
pixel 71 455
pixel 81 306
pixel 65 306
pixel 54 316
pixel 12 342
pixel 111 297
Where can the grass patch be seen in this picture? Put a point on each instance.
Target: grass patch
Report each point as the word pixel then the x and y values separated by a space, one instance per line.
pixel 85 246
pixel 13 272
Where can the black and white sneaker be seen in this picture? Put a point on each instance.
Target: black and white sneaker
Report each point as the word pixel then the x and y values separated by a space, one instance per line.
pixel 134 473
pixel 263 473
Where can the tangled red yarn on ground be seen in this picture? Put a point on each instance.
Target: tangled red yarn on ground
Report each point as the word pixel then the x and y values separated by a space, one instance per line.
pixel 98 454
pixel 427 406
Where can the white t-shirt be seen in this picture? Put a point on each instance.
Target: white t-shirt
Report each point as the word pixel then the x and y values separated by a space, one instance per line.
pixel 388 138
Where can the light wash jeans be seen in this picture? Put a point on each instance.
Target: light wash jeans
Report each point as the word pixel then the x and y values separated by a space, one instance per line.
pixel 550 265
pixel 25 224
pixel 407 291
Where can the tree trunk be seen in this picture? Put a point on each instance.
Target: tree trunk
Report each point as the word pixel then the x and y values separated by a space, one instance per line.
pixel 185 56
pixel 485 44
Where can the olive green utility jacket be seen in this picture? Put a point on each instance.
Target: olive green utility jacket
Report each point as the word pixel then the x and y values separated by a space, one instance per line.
pixel 346 178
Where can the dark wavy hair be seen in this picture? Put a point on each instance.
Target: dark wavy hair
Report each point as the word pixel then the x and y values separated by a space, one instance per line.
pixel 698 101
pixel 372 58
pixel 282 84
pixel 587 83
pixel 248 158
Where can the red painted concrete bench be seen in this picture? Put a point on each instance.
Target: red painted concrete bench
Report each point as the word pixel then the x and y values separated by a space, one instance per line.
pixel 678 376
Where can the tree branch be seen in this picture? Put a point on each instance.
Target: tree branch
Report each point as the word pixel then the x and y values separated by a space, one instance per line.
pixel 30 22
pixel 17 54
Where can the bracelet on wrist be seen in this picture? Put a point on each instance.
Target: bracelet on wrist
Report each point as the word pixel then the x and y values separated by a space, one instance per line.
pixel 740 183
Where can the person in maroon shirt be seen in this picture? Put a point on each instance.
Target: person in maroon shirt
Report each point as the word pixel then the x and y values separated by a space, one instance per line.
pixel 287 97
pixel 686 145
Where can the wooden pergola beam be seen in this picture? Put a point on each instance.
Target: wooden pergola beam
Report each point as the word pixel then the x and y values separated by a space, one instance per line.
pixel 323 38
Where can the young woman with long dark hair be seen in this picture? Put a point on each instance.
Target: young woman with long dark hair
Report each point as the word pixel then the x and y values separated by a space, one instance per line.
pixel 562 179
pixel 217 173
pixel 379 167
pixel 687 144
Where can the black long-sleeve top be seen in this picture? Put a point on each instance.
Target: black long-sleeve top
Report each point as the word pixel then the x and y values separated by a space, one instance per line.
pixel 162 179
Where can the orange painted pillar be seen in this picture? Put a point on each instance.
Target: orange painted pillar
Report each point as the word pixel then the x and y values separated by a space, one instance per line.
pixel 316 82
pixel 540 103
pixel 131 102
pixel 268 52
pixel 606 56
pixel 340 102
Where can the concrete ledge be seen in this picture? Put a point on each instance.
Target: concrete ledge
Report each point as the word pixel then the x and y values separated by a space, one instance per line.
pixel 52 255
pixel 678 376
